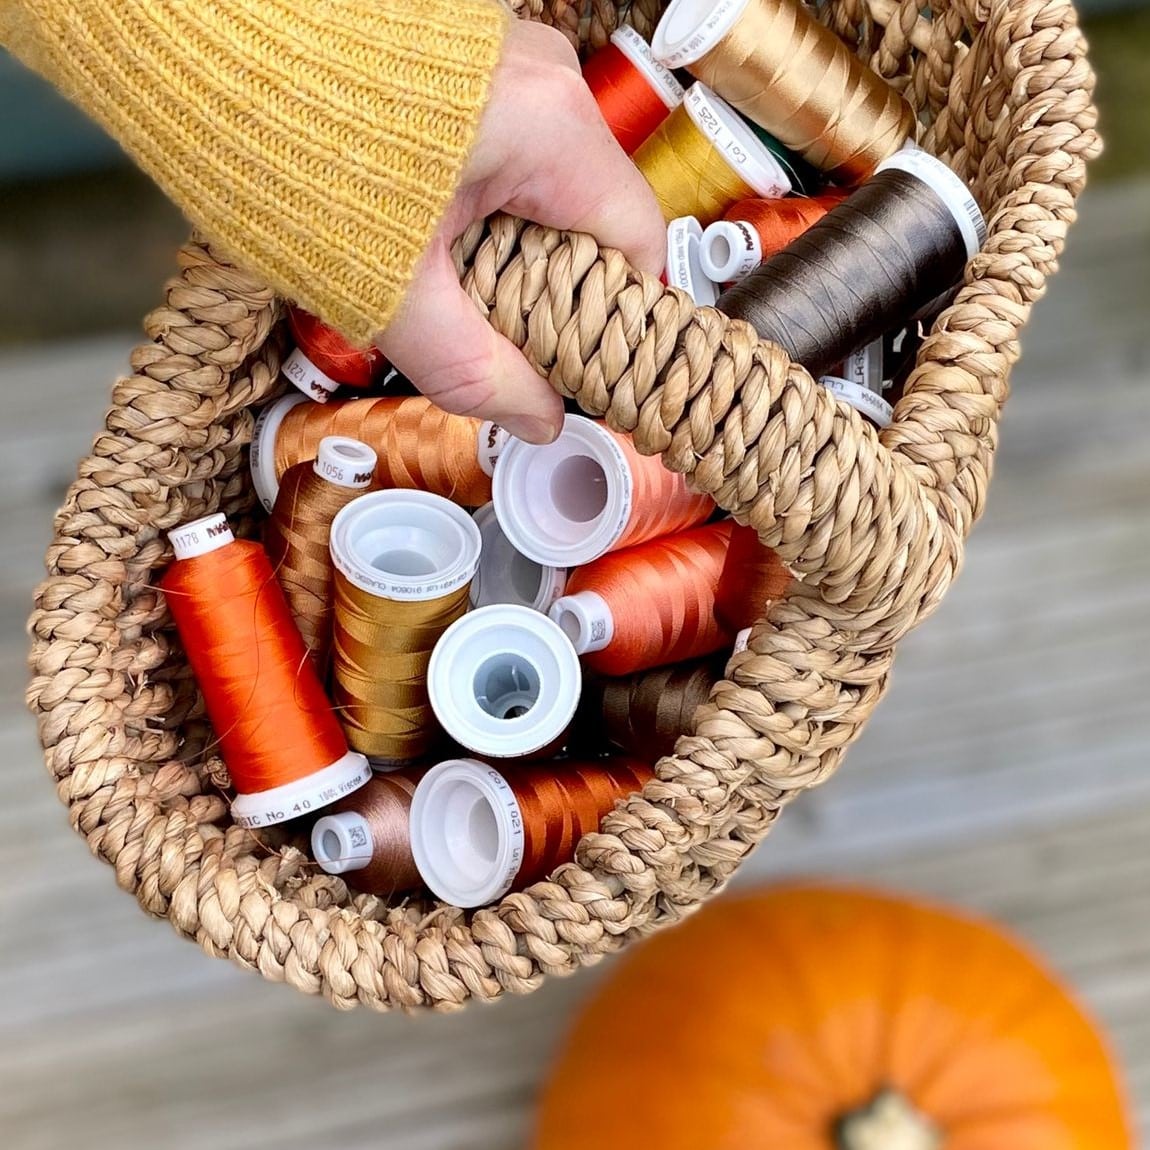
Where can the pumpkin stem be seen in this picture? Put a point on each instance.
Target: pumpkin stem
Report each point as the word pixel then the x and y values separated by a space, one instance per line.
pixel 887 1122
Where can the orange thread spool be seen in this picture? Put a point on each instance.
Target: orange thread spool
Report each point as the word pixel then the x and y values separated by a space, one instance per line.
pixel 420 447
pixel 634 92
pixel 367 838
pixel 297 534
pixel 752 230
pixel 590 492
pixel 753 577
pixel 323 360
pixel 477 833
pixel 648 605
pixel 277 733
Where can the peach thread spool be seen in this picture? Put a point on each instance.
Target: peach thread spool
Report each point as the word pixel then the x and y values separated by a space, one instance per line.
pixel 277 733
pixel 508 576
pixel 404 562
pixel 587 493
pixel 478 832
pixel 297 535
pixel 323 361
pixel 504 682
pixel 420 447
pixel 367 838
pixel 649 605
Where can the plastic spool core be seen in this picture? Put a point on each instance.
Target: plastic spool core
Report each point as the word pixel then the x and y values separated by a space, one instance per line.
pixel 330 844
pixel 342 842
pixel 262 458
pixel 578 488
pixel 661 81
pixel 345 462
pixel 508 576
pixel 201 536
pixel 729 251
pixel 689 29
pixel 507 685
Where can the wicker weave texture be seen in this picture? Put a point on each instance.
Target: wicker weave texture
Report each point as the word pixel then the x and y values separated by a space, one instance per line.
pixel 875 523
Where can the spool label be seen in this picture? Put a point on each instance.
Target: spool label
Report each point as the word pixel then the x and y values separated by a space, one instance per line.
pixel 742 639
pixel 657 74
pixel 304 374
pixel 862 399
pixel 706 35
pixel 749 255
pixel 383 587
pixel 760 170
pixel 195 536
pixel 517 835
pixel 683 272
pixel 342 473
pixel 865 366
pixel 492 440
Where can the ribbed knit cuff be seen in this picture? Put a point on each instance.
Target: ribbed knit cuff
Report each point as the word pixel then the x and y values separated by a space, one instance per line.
pixel 318 141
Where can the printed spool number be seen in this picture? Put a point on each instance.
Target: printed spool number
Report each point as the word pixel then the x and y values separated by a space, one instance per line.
pixel 492 440
pixel 762 172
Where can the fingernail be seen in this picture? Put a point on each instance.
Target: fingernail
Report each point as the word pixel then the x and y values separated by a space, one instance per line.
pixel 532 429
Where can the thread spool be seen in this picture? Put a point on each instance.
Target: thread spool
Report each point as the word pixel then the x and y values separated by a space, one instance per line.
pixel 404 561
pixel 277 734
pixel 297 535
pixel 504 682
pixel 508 576
pixel 420 447
pixel 751 230
pixel 866 402
pixel 589 492
pixel 634 91
pixel 323 360
pixel 775 63
pixel 477 832
pixel 703 157
pixel 367 836
pixel 644 714
pixel 684 269
pixel 752 578
pixel 650 605
pixel 873 260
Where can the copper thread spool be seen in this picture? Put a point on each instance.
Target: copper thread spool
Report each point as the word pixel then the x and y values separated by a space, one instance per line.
pixel 404 562
pixel 478 832
pixel 753 577
pixel 297 535
pixel 323 361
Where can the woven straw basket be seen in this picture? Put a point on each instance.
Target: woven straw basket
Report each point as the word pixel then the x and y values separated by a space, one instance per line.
pixel 874 522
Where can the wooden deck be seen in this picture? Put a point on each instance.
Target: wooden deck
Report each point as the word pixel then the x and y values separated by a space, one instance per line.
pixel 1007 772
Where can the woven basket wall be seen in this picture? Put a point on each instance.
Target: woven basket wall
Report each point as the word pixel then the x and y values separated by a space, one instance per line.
pixel 874 522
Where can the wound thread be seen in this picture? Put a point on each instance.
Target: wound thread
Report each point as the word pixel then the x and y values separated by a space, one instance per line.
pixel 753 577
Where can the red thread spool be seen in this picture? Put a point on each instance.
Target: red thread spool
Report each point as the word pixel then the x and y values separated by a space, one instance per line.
pixel 752 230
pixel 277 732
pixel 420 446
pixel 634 91
pixel 323 360
pixel 648 605
pixel 477 832
pixel 568 502
pixel 753 577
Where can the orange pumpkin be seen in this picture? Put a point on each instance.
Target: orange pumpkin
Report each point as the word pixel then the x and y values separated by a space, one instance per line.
pixel 814 1018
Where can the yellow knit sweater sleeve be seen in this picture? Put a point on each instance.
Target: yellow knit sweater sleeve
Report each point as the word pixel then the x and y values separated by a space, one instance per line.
pixel 319 141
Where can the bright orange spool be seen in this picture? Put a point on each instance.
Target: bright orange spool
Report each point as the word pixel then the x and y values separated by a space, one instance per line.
pixel 778 222
pixel 631 107
pixel 357 367
pixel 753 577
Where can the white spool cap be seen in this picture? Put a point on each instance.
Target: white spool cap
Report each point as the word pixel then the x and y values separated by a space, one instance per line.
pixel 744 152
pixel 567 502
pixel 262 456
pixel 405 545
pixel 343 842
pixel 504 681
pixel 299 370
pixel 304 796
pixel 586 619
pixel 949 188
pixel 689 29
pixel 730 249
pixel 508 576
pixel 661 80
pixel 684 269
pixel 467 835
pixel 862 399
pixel 201 536
pixel 346 462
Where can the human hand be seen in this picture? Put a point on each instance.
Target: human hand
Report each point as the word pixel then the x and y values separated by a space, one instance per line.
pixel 542 152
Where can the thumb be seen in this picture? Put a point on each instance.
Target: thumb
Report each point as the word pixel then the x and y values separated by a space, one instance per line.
pixel 454 357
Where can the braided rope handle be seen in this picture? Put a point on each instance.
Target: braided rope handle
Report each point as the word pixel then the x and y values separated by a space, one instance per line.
pixel 875 523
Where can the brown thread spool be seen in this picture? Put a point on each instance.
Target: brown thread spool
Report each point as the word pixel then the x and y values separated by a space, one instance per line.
pixel 297 534
pixel 420 446
pixel 477 832
pixel 366 837
pixel 753 577
pixel 644 714
pixel 404 563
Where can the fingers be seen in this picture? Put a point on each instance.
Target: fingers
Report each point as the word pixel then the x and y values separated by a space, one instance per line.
pixel 449 351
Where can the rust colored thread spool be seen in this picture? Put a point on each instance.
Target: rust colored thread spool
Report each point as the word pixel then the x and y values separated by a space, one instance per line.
pixel 477 832
pixel 323 360
pixel 590 492
pixel 420 447
pixel 277 733
pixel 366 837
pixel 649 605
pixel 297 534
pixel 753 577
